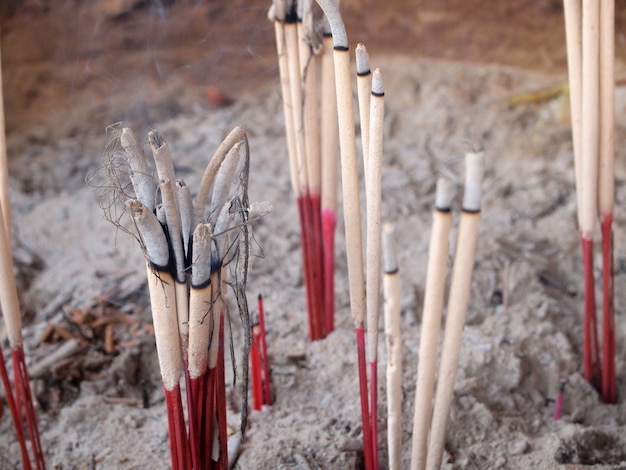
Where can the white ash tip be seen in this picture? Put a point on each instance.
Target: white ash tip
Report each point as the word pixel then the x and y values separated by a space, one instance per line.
pixel 362 60
pixel 337 26
pixel 378 84
pixel 474 167
pixel 390 261
pixel 444 194
pixel 271 13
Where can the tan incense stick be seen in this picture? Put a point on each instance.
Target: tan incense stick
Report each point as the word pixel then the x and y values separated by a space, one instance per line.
pixel 607 108
pixel 392 288
pixel 573 34
pixel 364 88
pixel 457 307
pixel 5 203
pixel 431 321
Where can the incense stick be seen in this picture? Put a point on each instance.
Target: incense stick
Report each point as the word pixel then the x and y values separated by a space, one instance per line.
pixel 457 307
pixel 267 392
pixel 364 91
pixel 431 321
pixel 352 214
pixel 606 192
pixel 391 282
pixel 374 203
pixel 329 149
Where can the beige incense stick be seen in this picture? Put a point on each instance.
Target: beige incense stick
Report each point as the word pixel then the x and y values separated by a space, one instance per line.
pixel 9 302
pixel 364 89
pixel 329 129
pixel 295 86
pixel 200 296
pixel 308 54
pixel 162 293
pixel 5 202
pixel 349 167
pixel 590 116
pixel 457 307
pixel 374 203
pixel 431 321
pixel 573 34
pixel 392 287
pixel 607 108
pixel 278 12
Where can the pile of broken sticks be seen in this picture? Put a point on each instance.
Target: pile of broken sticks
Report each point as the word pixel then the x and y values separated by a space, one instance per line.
pixel 193 248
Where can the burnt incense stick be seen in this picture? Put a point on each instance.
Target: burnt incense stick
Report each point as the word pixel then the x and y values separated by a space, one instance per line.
pixel 329 148
pixel 373 246
pixel 457 307
pixel 352 214
pixel 606 189
pixel 431 321
pixel 392 287
pixel 141 177
pixel 364 92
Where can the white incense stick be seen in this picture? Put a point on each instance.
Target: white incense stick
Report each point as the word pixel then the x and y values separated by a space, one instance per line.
pixel 374 203
pixel 457 307
pixel 5 202
pixel 392 287
pixel 607 108
pixel 9 302
pixel 431 321
pixel 349 168
pixel 200 319
pixel 364 91
pixel 590 116
pixel 573 30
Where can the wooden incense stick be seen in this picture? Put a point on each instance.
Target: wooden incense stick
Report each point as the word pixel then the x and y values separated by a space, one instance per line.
pixel 431 321
pixel 329 149
pixel 373 247
pixel 589 184
pixel 457 307
pixel 392 287
pixel 364 88
pixel 606 189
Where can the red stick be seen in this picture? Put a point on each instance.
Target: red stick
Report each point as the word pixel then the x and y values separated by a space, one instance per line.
pixel 315 281
pixel 591 353
pixel 255 366
pixel 179 445
pixel 365 419
pixel 220 399
pixel 306 264
pixel 608 313
pixel 209 416
pixel 267 391
pixel 22 385
pixel 15 413
pixel 318 261
pixel 374 411
pixel 196 402
pixel 329 222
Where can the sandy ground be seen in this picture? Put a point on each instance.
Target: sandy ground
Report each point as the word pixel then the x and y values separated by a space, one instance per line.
pixel 100 410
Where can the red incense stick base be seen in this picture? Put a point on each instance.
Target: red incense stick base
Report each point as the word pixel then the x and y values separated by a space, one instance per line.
pixel 365 419
pixel 609 393
pixel 591 352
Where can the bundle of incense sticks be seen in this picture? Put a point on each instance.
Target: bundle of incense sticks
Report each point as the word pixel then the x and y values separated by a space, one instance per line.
pixel 19 395
pixel 372 133
pixel 590 31
pixel 429 434
pixel 307 76
pixel 191 247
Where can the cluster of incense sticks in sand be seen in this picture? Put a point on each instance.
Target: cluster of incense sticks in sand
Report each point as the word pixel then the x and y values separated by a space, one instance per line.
pixel 590 26
pixel 429 434
pixel 259 364
pixel 307 78
pixel 193 248
pixel 19 395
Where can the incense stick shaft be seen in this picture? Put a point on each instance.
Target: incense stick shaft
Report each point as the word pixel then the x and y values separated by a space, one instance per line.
pixel 457 309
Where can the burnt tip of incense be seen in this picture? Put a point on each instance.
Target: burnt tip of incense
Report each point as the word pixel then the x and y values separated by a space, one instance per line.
pixel 378 84
pixel 151 233
pixel 277 11
pixel 337 26
pixel 362 60
pixel 390 260
pixel 444 194
pixel 291 11
pixel 474 167
pixel 260 297
pixel 156 140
